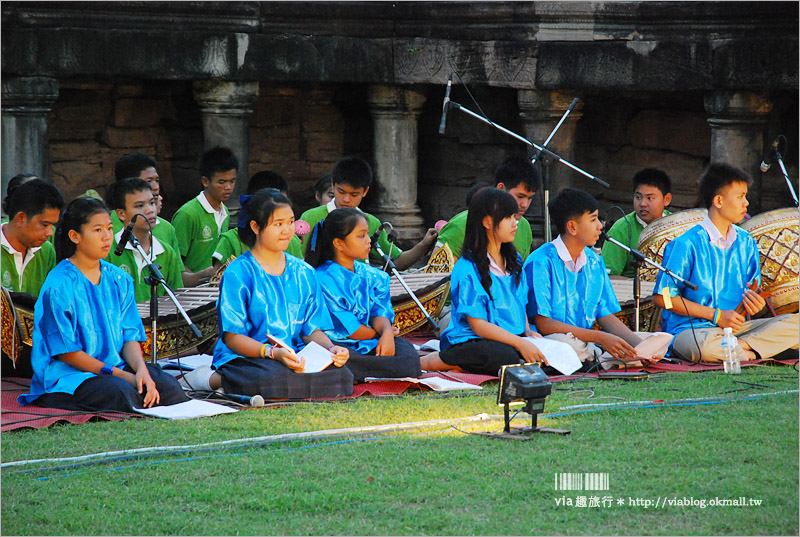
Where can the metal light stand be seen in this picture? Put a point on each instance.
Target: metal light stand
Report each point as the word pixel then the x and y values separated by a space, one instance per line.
pixel 546 172
pixel 786 175
pixel 639 257
pixel 388 263
pixel 153 281
pixel 637 289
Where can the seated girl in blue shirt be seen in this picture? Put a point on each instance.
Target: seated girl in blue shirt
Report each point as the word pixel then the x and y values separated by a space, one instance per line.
pixel 488 294
pixel 87 329
pixel 358 298
pixel 265 292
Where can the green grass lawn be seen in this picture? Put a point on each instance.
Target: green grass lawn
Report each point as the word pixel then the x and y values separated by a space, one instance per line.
pixel 436 479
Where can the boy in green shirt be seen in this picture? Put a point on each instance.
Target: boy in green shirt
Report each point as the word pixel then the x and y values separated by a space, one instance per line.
pixel 141 166
pixel 131 197
pixel 652 193
pixel 230 245
pixel 27 255
pixel 351 179
pixel 201 221
pixel 518 177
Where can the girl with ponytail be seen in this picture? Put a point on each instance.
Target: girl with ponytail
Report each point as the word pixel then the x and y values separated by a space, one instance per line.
pixel 87 330
pixel 267 295
pixel 358 298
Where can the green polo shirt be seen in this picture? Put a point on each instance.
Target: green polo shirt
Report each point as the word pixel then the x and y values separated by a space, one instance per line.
pixel 168 261
pixel 34 272
pixel 452 234
pixel 618 261
pixel 231 245
pixel 312 216
pixel 197 233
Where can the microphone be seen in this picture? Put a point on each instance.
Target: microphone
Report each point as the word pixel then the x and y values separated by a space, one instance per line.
pixel 769 158
pixel 254 401
pixel 639 256
pixel 126 236
pixel 374 238
pixel 446 103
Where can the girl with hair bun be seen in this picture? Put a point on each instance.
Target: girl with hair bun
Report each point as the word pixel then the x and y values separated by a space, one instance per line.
pixel 87 330
pixel 265 292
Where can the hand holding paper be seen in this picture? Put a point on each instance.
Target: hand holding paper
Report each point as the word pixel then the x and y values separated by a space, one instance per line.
pixel 559 355
pixel 286 355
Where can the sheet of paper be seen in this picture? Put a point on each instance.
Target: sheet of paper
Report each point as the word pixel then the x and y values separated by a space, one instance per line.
pixel 187 362
pixel 434 383
pixel 652 345
pixel 317 357
pixel 430 345
pixel 446 385
pixel 559 355
pixel 656 344
pixel 193 408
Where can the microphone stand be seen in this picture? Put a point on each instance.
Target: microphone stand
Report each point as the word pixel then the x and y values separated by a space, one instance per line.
pixel 638 258
pixel 153 281
pixel 546 172
pixel 525 140
pixel 388 263
pixel 786 175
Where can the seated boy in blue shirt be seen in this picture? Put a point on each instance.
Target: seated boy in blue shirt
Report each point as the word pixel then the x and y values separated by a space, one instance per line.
pixel 569 288
pixel 722 259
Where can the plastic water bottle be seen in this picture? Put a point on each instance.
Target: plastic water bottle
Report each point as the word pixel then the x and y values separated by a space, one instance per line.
pixel 731 362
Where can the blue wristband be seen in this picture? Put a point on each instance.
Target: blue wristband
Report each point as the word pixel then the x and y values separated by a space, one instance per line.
pixel 106 371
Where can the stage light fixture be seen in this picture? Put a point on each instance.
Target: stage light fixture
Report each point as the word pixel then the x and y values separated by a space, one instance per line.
pixel 524 385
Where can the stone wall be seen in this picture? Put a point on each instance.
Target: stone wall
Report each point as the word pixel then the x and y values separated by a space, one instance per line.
pixel 300 132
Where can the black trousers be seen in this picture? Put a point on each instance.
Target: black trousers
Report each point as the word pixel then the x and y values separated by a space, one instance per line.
pixel 404 363
pixel 108 392
pixel 273 380
pixel 481 356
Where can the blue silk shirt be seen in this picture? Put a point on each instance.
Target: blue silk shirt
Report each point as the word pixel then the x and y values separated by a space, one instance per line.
pixel 506 307
pixel 574 298
pixel 253 303
pixel 72 314
pixel 353 298
pixel 720 275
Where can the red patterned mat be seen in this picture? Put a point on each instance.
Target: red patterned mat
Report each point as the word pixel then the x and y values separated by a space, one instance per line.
pixel 15 416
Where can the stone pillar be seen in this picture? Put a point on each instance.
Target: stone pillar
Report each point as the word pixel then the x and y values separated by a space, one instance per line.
pixel 541 110
pixel 225 109
pixel 738 120
pixel 394 113
pixel 26 102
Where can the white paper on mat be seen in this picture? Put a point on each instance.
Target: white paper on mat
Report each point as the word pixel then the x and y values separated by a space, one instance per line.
pixel 193 408
pixel 559 355
pixel 430 345
pixel 317 357
pixel 436 384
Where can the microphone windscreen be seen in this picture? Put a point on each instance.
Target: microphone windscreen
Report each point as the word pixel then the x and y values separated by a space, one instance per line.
pixel 257 400
pixel 301 227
